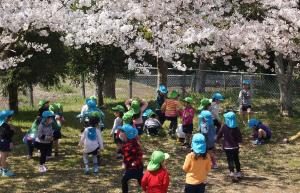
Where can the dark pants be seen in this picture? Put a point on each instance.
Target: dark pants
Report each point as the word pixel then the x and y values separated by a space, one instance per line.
pixel 217 125
pixel 173 125
pixel 131 174
pixel 49 151
pixel 233 159
pixel 161 116
pixel 152 130
pixel 44 149
pixel 30 147
pixel 199 188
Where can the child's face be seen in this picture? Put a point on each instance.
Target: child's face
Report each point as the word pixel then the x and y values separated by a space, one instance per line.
pixel 46 105
pixel 116 114
pixel 217 101
pixel 8 119
pixel 245 86
pixel 49 120
pixel 164 164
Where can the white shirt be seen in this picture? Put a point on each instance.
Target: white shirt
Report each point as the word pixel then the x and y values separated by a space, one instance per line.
pixel 179 132
pixel 117 122
pixel 215 110
pixel 91 145
pixel 152 122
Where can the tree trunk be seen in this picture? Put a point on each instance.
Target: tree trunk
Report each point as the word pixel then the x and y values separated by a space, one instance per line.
pixel 284 70
pixel 30 92
pixel 13 97
pixel 162 72
pixel 82 81
pixel 201 77
pixel 110 83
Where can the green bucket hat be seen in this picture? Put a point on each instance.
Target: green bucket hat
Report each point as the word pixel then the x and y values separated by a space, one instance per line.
pixel 94 114
pixel 174 94
pixel 156 159
pixel 118 108
pixel 127 117
pixel 188 100
pixel 204 103
pixel 93 98
pixel 42 103
pixel 135 107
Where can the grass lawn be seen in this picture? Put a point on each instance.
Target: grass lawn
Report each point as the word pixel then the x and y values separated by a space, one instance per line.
pixel 274 167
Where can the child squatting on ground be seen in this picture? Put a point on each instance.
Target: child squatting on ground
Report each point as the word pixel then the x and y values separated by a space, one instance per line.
pixel 232 137
pixel 197 164
pixel 132 156
pixel 260 132
pixel 91 141
pixel 6 144
pixel 156 177
pixel 152 124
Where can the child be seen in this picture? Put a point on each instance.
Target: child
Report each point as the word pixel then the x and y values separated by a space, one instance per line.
pixel 206 127
pixel 91 140
pixel 57 109
pixel 187 116
pixel 91 105
pixel 160 99
pixel 245 100
pixel 118 122
pixel 217 98
pixel 197 164
pixel 205 104
pixel 44 138
pixel 43 106
pixel 152 125
pixel 261 133
pixel 156 178
pixel 132 156
pixel 137 108
pixel 232 138
pixel 6 134
pixel 29 138
pixel 170 110
pixel 180 134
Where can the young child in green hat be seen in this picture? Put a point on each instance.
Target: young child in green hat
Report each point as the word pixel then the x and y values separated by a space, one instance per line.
pixel 245 96
pixel 187 115
pixel 137 107
pixel 170 109
pixel 152 124
pixel 156 178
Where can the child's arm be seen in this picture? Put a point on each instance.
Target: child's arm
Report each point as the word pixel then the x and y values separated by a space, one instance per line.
pixel 220 134
pixel 114 128
pixel 239 137
pixel 166 182
pixel 144 183
pixel 208 163
pixel 144 105
pixel 186 166
pixel 163 107
pixel 127 103
pixel 82 138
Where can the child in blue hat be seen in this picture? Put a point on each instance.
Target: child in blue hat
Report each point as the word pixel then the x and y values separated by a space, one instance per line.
pixel 162 93
pixel 208 129
pixel 245 96
pixel 232 137
pixel 261 133
pixel 197 165
pixel 217 98
pixel 6 134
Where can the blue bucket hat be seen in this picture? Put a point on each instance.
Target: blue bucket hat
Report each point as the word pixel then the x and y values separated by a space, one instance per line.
pixel 247 82
pixel 4 114
pixel 198 143
pixel 230 119
pixel 47 114
pixel 129 131
pixel 206 116
pixel 218 96
pixel 253 122
pixel 163 89
pixel 147 112
pixel 90 103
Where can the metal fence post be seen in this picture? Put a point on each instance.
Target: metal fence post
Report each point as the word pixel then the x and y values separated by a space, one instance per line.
pixel 224 80
pixel 130 87
pixel 183 84
pixel 242 79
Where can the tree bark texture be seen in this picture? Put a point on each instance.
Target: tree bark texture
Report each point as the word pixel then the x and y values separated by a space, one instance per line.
pixel 110 83
pixel 201 77
pixel 13 97
pixel 162 72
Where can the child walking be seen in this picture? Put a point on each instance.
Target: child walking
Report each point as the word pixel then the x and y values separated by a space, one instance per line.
pixel 6 145
pixel 91 141
pixel 160 99
pixel 187 116
pixel 156 178
pixel 232 137
pixel 57 109
pixel 170 109
pixel 261 133
pixel 44 138
pixel 132 156
pixel 217 98
pixel 208 129
pixel 137 107
pixel 197 165
pixel 245 101
pixel 152 125
pixel 118 122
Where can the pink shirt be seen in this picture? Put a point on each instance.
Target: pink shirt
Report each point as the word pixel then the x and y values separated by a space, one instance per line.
pixel 187 116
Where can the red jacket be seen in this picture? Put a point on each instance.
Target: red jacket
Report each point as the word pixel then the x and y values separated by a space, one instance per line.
pixel 156 182
pixel 132 155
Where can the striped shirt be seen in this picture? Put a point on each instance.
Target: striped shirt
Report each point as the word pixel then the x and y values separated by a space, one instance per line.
pixel 170 108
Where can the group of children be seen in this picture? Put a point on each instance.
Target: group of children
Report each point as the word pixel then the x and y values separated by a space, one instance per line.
pixel 131 122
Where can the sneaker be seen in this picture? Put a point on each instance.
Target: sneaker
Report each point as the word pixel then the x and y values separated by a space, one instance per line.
pixel 49 157
pixel 233 177
pixel 239 174
pixel 7 173
pixel 29 157
pixel 96 169
pixel 214 166
pixel 42 169
pixel 86 171
pixel 231 174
